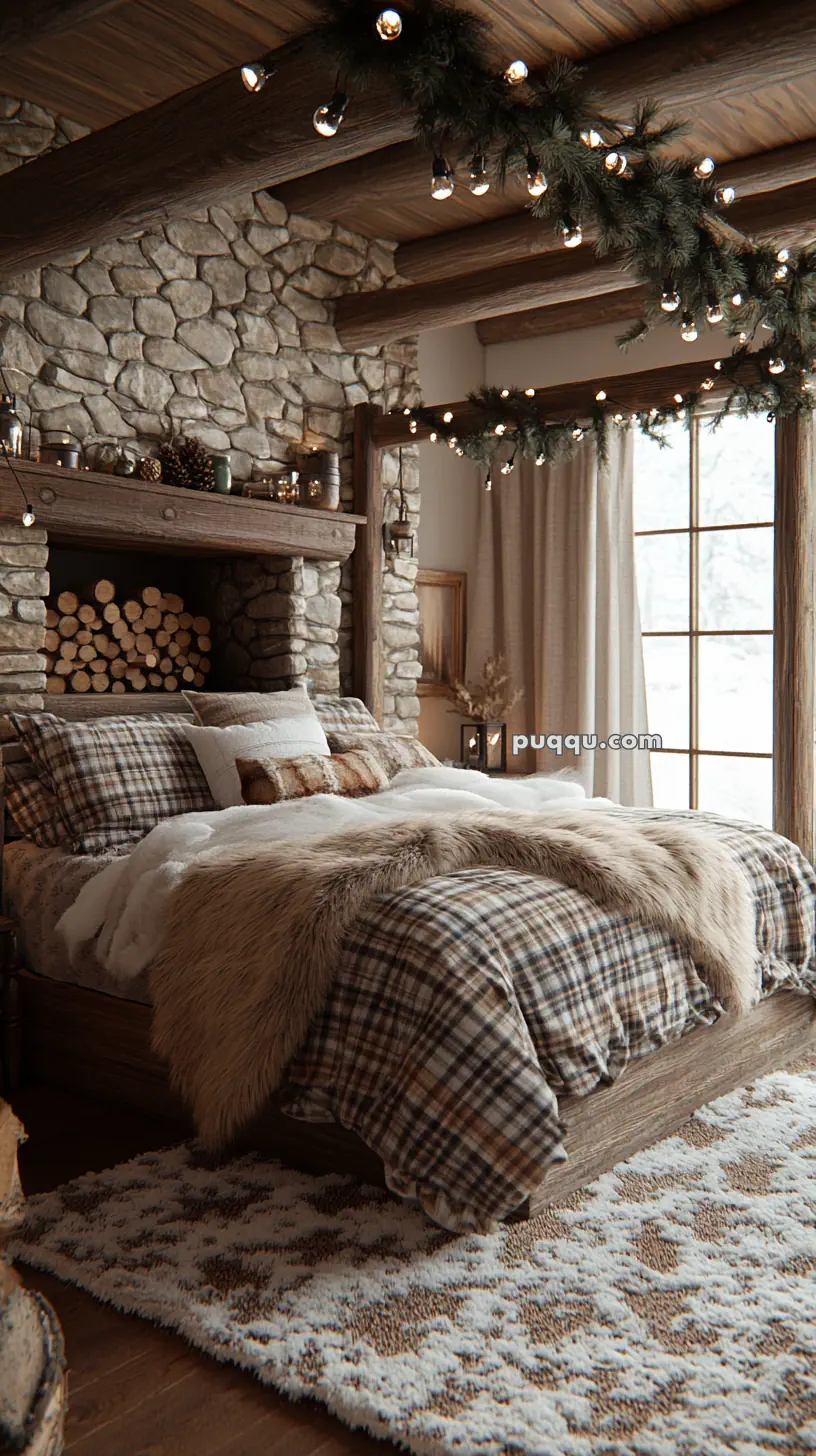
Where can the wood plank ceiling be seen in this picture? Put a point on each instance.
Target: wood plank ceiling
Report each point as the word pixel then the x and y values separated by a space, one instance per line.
pixel 138 53
pixel 142 51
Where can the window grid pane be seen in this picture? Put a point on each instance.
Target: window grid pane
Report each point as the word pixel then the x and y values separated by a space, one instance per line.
pixel 728 601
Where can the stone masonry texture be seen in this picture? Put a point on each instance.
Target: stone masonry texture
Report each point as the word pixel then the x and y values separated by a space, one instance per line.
pixel 218 326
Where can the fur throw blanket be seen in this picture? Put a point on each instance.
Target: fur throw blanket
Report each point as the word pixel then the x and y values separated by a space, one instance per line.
pixel 253 938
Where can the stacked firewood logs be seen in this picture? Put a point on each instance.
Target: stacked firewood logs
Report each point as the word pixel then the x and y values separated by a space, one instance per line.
pixel 93 644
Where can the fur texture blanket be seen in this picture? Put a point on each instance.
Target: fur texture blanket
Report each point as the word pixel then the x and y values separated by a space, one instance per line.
pixel 253 938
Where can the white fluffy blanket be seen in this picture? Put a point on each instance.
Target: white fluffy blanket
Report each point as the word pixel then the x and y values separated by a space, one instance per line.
pixel 125 906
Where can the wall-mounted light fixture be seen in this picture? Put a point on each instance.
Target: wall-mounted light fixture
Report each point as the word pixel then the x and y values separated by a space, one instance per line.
pixel 398 535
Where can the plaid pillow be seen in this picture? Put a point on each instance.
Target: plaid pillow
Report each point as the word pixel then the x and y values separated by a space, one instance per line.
pixel 36 813
pixel 271 780
pixel 391 752
pixel 344 715
pixel 114 779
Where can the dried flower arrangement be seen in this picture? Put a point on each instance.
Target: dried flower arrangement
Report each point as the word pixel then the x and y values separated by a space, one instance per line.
pixel 486 701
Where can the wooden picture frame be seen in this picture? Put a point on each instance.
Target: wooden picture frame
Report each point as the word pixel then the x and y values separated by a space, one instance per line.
pixel 442 630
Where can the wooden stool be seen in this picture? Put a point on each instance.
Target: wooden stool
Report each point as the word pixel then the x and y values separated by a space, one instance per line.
pixel 10 1019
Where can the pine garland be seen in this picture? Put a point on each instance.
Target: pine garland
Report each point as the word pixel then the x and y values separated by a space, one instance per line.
pixel 607 179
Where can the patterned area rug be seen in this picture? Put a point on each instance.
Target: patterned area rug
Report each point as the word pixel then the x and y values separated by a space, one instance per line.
pixel 668 1308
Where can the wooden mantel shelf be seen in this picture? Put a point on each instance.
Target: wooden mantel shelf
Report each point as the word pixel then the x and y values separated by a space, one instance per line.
pixel 81 507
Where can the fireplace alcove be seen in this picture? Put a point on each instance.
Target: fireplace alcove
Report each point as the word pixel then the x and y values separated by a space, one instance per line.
pixel 267 575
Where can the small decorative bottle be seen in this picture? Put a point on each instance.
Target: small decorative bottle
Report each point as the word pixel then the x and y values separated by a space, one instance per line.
pixel 11 429
pixel 223 473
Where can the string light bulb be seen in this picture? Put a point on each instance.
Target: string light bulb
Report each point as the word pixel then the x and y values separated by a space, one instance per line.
pixel 737 299
pixel 689 330
pixel 541 460
pixel 433 437
pixel 714 313
pixel 618 418
pixel 705 167
pixel 707 384
pixel 592 138
pixel 678 399
pixel 537 183
pixel 442 179
pixel 776 366
pixel 670 299
pixel 413 427
pixel 781 272
pixel 256 74
pixel 28 517
pixel 489 481
pixel 724 196
pixel 577 433
pixel 479 182
pixel 505 394
pixel 500 429
pixel 516 72
pixel 616 162
pixel 530 393
pixel 571 233
pixel 783 256
pixel 601 395
pixel 327 118
pixel 718 364
pixel 448 417
pixel 389 25
pixel 507 468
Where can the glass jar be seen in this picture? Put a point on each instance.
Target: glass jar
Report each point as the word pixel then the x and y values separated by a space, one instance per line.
pixel 11 429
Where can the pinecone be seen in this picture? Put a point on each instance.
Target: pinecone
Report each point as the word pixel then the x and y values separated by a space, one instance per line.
pixel 150 469
pixel 173 471
pixel 196 460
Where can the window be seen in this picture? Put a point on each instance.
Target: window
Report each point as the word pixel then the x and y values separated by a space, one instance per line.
pixel 704 511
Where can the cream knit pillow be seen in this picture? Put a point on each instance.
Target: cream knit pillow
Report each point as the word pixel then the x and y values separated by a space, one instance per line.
pixel 218 748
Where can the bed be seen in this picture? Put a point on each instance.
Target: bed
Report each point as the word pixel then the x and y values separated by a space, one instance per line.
pixel 77 1034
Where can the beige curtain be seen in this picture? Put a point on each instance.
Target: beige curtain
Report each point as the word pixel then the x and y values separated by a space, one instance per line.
pixel 556 594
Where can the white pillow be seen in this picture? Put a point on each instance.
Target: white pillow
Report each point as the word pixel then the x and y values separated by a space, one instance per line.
pixel 218 748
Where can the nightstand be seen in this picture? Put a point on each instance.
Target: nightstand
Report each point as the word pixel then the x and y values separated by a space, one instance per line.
pixel 10 1021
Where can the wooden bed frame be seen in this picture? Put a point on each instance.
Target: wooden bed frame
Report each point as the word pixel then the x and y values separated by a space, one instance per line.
pixel 100 1045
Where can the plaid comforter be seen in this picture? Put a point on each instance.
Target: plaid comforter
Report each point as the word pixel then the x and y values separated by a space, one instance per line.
pixel 463 1008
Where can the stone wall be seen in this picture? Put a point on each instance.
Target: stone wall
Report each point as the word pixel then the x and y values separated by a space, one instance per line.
pixel 220 326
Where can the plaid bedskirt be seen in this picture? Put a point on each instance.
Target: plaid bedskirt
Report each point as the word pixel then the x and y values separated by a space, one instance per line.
pixel 463 1008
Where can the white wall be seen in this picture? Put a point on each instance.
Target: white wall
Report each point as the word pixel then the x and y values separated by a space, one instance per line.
pixel 451 364
pixel 588 353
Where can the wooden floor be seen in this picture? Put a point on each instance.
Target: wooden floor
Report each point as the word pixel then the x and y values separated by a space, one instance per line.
pixel 135 1389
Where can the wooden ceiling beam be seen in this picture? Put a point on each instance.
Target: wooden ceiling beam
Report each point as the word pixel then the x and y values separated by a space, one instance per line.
pixel 505 239
pixel 563 318
pixel 368 319
pixel 642 389
pixel 729 54
pixel 25 23
pixel 199 147
pixel 787 216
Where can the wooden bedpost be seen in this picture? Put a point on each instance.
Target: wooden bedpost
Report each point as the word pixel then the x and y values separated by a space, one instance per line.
pixel 368 563
pixel 794 636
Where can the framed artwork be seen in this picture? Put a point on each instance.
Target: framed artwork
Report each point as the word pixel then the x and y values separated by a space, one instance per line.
pixel 442 624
